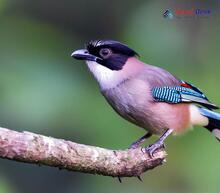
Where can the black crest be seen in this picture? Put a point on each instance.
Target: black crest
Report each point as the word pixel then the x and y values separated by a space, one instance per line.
pixel 95 45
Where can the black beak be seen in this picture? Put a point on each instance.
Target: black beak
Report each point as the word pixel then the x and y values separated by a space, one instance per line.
pixel 83 54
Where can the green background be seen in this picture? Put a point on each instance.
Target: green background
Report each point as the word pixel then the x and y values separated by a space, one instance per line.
pixel 43 90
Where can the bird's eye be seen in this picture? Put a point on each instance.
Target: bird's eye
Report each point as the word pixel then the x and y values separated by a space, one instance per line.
pixel 105 52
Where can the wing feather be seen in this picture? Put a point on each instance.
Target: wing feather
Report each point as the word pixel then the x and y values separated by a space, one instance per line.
pixel 181 94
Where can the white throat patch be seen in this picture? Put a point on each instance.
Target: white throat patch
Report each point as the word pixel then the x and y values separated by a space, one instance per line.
pixel 106 78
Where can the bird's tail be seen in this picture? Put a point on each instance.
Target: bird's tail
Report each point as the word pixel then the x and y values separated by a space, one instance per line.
pixel 214 121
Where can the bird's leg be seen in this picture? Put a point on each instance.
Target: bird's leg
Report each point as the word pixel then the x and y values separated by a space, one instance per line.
pixel 141 140
pixel 159 143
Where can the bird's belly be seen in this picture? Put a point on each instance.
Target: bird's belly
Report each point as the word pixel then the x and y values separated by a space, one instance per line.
pixel 135 104
pixel 139 115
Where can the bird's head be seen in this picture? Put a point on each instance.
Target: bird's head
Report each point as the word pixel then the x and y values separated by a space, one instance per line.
pixel 111 62
pixel 108 53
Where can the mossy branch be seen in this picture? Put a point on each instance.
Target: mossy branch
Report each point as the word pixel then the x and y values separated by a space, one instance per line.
pixel 38 149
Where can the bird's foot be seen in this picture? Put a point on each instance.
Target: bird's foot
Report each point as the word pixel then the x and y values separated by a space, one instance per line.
pixel 153 147
pixel 158 144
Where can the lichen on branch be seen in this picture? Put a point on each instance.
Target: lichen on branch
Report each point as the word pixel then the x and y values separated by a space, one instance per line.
pixel 33 148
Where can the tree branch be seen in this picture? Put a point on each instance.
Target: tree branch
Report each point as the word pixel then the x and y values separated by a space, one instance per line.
pixel 33 148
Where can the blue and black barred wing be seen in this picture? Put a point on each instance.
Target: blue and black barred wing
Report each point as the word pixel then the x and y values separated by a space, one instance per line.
pixel 179 94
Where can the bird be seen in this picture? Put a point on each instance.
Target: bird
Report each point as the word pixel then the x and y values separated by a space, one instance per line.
pixel 146 95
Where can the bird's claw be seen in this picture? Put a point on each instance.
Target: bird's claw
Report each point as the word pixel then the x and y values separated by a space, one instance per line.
pixel 153 147
pixel 139 178
pixel 119 179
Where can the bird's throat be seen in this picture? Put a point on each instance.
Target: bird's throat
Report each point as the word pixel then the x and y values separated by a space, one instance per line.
pixel 106 78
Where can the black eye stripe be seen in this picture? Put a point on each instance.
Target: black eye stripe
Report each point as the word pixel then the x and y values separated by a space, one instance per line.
pixel 116 59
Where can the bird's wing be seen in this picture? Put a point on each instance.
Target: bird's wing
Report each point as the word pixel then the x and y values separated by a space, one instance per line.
pixel 183 93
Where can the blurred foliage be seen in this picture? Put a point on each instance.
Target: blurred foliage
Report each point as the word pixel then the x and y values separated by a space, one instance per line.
pixel 5 187
pixel 44 90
